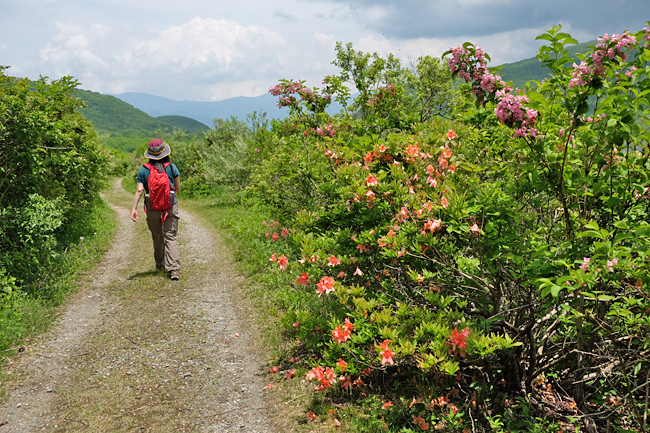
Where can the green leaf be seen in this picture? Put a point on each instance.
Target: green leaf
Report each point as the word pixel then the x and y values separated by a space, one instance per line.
pixel 544 37
pixel 555 290
pixel 592 225
pixel 621 236
pixel 642 232
pixel 591 234
pixel 621 225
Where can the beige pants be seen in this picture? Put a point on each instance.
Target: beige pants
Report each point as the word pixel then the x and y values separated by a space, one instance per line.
pixel 165 246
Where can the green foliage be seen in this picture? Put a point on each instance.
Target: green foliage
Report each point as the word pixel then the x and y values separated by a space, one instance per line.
pixel 523 71
pixel 474 265
pixel 51 173
pixel 23 316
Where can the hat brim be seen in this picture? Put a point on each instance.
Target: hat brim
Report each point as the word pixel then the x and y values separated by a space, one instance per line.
pixel 161 155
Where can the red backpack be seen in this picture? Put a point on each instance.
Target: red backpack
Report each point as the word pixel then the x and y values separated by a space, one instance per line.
pixel 161 195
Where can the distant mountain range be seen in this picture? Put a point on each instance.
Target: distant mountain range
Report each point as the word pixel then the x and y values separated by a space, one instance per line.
pixel 204 112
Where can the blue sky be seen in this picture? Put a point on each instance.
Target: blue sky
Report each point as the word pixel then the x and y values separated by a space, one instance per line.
pixel 212 50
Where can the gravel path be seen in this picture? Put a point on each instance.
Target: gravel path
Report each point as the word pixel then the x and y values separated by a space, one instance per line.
pixel 134 351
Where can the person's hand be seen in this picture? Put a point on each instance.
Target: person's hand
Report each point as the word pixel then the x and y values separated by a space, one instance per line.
pixel 134 215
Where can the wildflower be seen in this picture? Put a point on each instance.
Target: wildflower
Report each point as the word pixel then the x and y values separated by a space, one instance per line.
pixel 458 339
pixel 345 382
pixel 386 355
pixel 303 280
pixel 340 335
pixel 283 262
pixel 325 285
pixel 585 264
pixel 333 261
pixel 611 264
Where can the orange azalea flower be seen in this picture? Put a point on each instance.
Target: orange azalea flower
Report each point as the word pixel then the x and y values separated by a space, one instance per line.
pixel 283 262
pixel 444 202
pixel 341 275
pixel 274 369
pixel 475 229
pixel 386 355
pixel 386 404
pixel 458 339
pixel 333 261
pixel 325 285
pixel 303 280
pixel 340 335
pixel 290 374
pixel 382 148
pixel 451 134
pixel 285 232
pixel 348 325
pixel 311 416
pixel 273 259
pixel 342 364
pixel 275 236
pixel 372 180
pixel 362 248
pixel 358 272
pixel 345 382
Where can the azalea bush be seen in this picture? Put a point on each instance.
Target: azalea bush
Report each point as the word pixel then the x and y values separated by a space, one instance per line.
pixel 471 272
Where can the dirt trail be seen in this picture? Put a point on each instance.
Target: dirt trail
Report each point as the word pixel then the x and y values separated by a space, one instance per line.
pixel 134 351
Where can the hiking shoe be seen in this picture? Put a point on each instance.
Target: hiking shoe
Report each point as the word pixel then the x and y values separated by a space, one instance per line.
pixel 174 275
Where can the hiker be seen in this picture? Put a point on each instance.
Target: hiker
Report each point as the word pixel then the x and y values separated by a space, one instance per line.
pixel 160 205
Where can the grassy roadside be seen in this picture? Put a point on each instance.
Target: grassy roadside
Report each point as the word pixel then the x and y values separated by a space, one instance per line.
pixel 23 317
pixel 278 302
